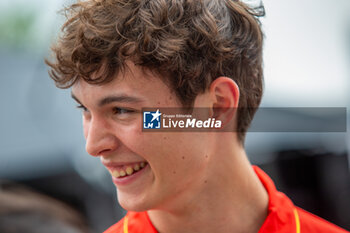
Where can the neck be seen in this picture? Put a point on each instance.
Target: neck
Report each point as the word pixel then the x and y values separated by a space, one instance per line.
pixel 229 198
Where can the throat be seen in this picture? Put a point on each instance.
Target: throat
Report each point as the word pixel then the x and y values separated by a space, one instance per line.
pixel 224 205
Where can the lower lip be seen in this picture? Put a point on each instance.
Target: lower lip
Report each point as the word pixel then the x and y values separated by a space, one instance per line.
pixel 126 180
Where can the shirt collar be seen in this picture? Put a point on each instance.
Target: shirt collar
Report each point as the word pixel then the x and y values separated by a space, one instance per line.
pixel 281 216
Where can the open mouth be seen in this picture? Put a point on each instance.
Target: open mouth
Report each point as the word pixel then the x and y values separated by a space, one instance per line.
pixel 128 170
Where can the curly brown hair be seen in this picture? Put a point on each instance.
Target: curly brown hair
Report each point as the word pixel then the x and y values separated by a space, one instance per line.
pixel 187 42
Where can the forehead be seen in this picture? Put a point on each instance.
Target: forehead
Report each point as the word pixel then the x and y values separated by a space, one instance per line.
pixel 132 81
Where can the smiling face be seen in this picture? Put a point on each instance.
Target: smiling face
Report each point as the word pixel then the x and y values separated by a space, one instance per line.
pixel 150 170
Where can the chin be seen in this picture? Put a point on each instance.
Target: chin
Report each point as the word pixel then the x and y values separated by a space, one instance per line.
pixel 135 204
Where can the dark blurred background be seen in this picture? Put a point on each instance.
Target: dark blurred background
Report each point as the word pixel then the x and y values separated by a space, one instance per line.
pixel 50 184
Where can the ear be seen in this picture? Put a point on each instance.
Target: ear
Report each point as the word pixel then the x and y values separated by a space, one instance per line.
pixel 224 93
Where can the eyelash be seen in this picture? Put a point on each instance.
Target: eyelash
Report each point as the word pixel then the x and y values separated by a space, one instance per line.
pixel 82 108
pixel 116 110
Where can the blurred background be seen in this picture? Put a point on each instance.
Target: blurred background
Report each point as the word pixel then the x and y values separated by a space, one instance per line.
pixel 48 181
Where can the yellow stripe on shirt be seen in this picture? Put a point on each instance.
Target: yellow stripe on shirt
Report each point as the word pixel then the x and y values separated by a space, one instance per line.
pixel 297 221
pixel 125 226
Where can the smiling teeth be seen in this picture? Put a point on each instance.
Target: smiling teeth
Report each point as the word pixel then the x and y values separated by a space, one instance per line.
pixel 122 173
pixel 115 173
pixel 129 170
pixel 136 167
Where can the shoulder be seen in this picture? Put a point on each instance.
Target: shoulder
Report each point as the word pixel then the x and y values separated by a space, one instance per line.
pixel 284 216
pixel 310 223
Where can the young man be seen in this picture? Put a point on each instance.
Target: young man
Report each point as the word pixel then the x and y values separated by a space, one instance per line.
pixel 120 56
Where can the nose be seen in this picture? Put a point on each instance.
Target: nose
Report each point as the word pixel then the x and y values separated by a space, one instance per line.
pixel 100 140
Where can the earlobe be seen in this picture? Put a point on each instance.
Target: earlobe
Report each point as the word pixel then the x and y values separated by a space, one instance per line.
pixel 225 96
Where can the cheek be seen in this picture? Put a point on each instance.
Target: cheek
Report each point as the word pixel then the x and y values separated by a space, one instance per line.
pixel 171 153
pixel 131 136
pixel 177 154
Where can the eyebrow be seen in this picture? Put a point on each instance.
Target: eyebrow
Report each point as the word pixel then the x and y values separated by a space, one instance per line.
pixel 113 98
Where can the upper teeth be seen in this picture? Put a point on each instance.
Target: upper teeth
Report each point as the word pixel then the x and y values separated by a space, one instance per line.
pixel 128 170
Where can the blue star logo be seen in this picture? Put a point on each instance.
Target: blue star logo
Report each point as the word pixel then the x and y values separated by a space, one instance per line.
pixel 151 120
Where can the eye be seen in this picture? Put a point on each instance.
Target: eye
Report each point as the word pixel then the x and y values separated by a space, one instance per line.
pixel 118 110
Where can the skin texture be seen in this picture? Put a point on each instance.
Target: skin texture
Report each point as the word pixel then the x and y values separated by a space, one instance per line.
pixel 195 182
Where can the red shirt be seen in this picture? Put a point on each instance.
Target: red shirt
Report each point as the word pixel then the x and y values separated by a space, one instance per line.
pixel 283 216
